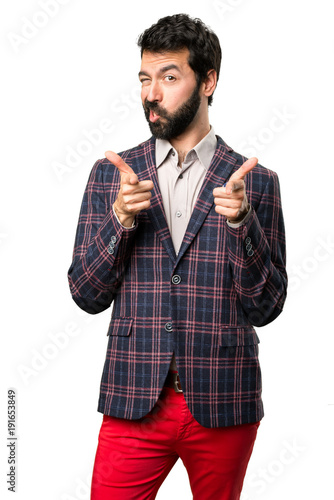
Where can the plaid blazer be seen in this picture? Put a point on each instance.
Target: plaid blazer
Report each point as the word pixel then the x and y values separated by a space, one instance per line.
pixel 200 304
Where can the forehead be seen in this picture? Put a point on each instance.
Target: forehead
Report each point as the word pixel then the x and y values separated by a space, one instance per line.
pixel 155 61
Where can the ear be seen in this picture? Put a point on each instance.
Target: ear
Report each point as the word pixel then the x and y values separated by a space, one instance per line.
pixel 210 82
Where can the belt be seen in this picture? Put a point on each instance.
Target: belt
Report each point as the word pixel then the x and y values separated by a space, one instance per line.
pixel 173 381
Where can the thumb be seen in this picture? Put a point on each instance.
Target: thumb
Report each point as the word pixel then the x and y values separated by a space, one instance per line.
pixel 123 167
pixel 246 167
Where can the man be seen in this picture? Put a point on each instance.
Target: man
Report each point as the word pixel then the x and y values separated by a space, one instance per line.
pixel 186 239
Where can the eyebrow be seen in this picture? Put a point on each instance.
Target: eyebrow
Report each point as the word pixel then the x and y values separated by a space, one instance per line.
pixel 162 70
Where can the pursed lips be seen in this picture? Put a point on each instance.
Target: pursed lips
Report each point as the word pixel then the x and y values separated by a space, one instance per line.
pixel 153 116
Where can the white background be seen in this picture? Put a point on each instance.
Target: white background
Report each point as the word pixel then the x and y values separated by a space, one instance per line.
pixel 62 78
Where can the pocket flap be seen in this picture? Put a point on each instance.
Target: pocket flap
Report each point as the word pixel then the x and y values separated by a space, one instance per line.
pixel 238 335
pixel 120 327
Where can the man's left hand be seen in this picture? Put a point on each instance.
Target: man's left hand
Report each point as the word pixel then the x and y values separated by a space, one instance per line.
pixel 231 199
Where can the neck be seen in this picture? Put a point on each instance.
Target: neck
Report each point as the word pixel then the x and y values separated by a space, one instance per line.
pixel 181 156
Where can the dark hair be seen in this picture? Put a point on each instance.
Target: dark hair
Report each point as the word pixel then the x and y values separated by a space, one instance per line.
pixel 174 33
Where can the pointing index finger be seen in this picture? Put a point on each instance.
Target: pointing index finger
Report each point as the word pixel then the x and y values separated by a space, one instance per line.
pixel 245 168
pixel 123 167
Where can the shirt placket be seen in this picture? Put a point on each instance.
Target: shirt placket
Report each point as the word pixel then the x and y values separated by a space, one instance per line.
pixel 180 212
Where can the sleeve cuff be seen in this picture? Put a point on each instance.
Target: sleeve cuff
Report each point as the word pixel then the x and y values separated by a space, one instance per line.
pixel 242 222
pixel 124 227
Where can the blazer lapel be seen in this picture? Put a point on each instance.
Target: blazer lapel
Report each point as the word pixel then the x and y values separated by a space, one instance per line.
pixel 219 171
pixel 145 168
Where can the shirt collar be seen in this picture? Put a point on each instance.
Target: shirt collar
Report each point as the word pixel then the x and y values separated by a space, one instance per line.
pixel 204 150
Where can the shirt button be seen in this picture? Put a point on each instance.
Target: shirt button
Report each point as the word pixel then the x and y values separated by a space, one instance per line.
pixel 178 213
pixel 110 250
pixel 249 247
pixel 113 239
pixel 176 279
pixel 168 327
pixel 250 253
pixel 247 240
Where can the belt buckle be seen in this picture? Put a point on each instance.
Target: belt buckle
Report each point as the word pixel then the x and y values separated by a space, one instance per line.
pixel 176 383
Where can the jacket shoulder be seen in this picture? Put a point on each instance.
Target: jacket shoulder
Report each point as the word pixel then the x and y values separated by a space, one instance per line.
pixel 103 168
pixel 260 172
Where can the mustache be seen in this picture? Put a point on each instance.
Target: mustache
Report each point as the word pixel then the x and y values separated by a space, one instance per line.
pixel 154 106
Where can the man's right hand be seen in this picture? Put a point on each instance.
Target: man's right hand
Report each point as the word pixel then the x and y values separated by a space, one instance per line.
pixel 133 196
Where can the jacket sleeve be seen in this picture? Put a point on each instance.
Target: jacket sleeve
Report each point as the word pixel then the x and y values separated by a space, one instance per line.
pixel 257 256
pixel 102 245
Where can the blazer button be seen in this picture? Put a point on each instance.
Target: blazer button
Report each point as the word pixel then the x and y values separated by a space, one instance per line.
pixel 168 327
pixel 113 239
pixel 247 240
pixel 250 253
pixel 110 250
pixel 176 279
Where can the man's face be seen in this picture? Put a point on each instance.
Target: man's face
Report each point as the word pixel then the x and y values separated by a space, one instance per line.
pixel 170 93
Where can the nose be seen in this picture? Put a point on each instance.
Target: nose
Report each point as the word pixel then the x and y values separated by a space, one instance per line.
pixel 154 92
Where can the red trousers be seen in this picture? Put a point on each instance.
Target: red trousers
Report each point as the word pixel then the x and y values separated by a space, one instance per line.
pixel 134 457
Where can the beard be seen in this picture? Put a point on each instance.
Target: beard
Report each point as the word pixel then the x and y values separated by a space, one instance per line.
pixel 174 124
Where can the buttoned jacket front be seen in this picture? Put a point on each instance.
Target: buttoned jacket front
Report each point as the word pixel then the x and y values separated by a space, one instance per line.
pixel 201 304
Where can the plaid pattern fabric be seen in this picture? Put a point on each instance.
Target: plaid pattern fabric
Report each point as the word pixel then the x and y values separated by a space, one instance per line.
pixel 202 304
